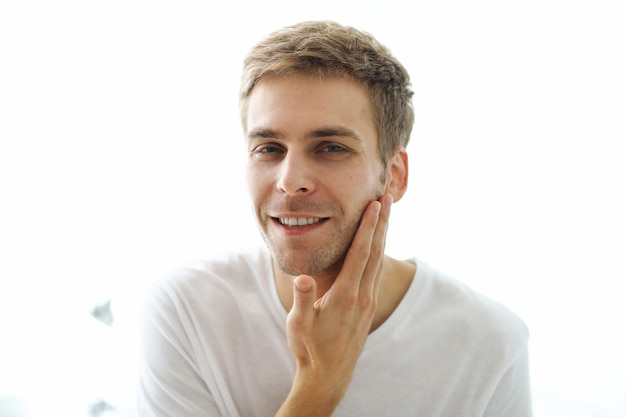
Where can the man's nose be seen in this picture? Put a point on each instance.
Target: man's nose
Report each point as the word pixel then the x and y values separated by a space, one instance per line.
pixel 295 175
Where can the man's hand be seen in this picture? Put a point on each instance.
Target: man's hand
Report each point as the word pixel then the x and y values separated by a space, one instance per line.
pixel 327 335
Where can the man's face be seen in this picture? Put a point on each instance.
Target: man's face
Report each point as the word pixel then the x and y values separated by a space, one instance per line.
pixel 313 167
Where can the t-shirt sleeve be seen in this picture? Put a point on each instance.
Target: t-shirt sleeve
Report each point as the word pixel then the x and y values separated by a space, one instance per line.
pixel 512 397
pixel 170 380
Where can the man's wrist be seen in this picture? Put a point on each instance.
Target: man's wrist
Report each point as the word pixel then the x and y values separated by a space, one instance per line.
pixel 312 397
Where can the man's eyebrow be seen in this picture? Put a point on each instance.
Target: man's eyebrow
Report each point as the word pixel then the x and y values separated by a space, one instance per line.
pixel 325 132
pixel 263 133
pixel 333 131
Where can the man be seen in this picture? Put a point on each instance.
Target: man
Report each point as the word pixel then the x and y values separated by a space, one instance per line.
pixel 322 322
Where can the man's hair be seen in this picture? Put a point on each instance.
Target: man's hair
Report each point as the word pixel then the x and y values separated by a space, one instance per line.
pixel 324 48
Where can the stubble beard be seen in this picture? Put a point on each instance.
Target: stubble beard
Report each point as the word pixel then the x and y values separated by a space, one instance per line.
pixel 323 260
pixel 326 259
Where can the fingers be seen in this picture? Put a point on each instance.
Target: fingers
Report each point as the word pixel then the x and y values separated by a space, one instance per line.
pixel 373 268
pixel 359 251
pixel 361 269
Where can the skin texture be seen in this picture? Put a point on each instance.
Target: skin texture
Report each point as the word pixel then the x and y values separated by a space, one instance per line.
pixel 313 154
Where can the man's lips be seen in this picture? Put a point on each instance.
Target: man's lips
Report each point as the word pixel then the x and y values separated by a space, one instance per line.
pixel 296 221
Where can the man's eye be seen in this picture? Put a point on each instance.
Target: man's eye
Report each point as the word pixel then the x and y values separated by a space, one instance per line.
pixel 266 152
pixel 334 149
pixel 269 149
pixel 265 149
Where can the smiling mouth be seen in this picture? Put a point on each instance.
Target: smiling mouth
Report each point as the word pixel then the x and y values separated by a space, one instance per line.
pixel 299 221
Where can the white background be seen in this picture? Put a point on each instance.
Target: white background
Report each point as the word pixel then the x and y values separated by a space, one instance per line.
pixel 121 157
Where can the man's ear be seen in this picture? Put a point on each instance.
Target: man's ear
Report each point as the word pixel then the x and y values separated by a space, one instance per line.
pixel 397 173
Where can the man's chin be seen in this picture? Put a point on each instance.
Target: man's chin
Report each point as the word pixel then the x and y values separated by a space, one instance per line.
pixel 289 266
pixel 325 259
pixel 312 265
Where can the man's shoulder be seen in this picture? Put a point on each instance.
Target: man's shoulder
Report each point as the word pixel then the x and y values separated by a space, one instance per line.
pixel 225 271
pixel 471 313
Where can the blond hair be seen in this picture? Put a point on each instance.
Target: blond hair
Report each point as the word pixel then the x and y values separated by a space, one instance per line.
pixel 325 48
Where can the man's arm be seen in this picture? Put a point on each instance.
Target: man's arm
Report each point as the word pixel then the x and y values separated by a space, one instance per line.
pixel 513 395
pixel 327 335
pixel 169 379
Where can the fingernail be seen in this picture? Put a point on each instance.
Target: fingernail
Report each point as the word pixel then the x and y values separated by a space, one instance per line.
pixel 303 286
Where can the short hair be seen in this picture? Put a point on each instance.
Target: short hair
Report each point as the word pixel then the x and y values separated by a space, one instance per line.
pixel 325 48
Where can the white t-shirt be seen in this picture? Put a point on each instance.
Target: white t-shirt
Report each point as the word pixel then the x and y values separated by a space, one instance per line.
pixel 214 344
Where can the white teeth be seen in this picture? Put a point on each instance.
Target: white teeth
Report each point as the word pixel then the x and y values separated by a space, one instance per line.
pixel 297 221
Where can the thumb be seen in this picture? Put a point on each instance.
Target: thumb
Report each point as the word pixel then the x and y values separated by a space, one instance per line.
pixel 300 318
pixel 304 295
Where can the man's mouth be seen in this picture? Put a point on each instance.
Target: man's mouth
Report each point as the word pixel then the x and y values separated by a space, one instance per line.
pixel 299 221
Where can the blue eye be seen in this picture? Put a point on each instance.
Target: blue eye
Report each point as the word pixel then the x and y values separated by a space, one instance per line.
pixel 334 149
pixel 267 152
